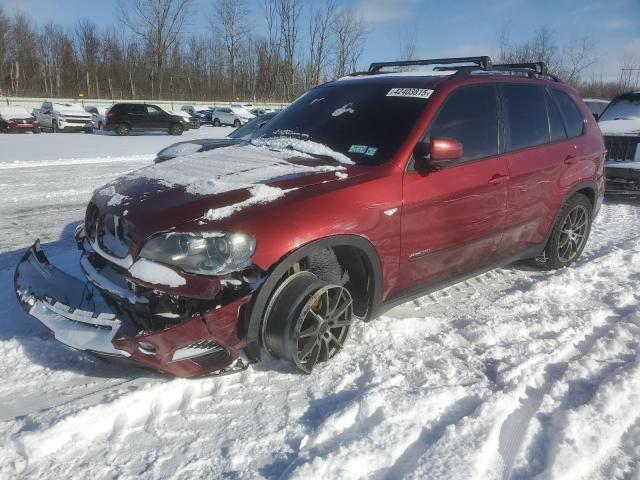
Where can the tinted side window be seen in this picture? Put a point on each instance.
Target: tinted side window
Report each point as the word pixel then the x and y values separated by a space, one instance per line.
pixel 526 116
pixel 136 110
pixel 573 120
pixel 152 111
pixel 556 124
pixel 470 115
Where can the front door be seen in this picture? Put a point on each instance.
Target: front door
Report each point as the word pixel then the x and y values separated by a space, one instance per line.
pixel 453 218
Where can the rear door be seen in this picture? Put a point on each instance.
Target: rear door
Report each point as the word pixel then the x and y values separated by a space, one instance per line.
pixel 535 163
pixel 137 116
pixel 452 219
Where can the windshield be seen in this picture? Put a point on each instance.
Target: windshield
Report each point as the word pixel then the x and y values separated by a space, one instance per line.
pixel 249 129
pixel 366 123
pixel 623 108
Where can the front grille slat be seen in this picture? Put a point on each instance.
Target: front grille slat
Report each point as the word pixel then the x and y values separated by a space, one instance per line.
pixel 621 149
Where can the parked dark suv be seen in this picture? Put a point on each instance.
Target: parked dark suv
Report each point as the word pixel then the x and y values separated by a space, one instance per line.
pixel 123 118
pixel 366 192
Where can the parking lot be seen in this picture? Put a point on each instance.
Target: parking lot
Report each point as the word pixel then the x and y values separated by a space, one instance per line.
pixel 502 373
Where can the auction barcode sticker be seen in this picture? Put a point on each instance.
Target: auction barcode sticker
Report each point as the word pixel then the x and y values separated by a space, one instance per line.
pixel 410 92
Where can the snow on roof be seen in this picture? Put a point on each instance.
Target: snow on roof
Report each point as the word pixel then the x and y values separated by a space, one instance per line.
pixel 14 111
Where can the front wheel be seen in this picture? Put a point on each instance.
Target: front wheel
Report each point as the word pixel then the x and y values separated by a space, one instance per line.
pixel 307 320
pixel 216 122
pixel 176 129
pixel 569 235
pixel 54 127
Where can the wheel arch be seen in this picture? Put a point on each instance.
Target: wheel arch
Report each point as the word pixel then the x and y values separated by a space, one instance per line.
pixel 589 188
pixel 360 257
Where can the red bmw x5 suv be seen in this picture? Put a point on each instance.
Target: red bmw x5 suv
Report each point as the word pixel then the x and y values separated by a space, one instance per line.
pixel 365 192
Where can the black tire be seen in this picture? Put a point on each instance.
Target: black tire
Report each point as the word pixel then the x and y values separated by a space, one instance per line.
pixel 569 235
pixel 237 123
pixel 54 126
pixel 122 130
pixel 307 320
pixel 36 130
pixel 176 129
pixel 88 130
pixel 216 122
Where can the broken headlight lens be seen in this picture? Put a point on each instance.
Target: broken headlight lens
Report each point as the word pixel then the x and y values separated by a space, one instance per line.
pixel 202 253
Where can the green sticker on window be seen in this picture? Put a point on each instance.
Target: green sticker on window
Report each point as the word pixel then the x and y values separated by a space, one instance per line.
pixel 358 149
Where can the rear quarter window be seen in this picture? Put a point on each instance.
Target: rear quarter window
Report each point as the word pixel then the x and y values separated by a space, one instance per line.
pixel 573 119
pixel 526 116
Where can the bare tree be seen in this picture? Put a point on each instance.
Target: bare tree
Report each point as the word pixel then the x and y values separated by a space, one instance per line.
pixel 230 24
pixel 289 13
pixel 349 35
pixel 319 37
pixel 569 62
pixel 4 34
pixel 408 46
pixel 88 47
pixel 158 23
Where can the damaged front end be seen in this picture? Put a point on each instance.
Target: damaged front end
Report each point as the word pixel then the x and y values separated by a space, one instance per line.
pixel 197 331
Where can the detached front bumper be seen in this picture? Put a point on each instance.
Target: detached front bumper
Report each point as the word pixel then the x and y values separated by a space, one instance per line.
pixel 84 317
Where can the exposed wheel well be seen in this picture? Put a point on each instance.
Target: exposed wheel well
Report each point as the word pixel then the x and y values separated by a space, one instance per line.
pixel 360 272
pixel 590 194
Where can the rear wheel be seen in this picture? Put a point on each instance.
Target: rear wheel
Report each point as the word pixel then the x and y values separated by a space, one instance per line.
pixel 176 129
pixel 36 130
pixel 216 122
pixel 54 126
pixel 569 235
pixel 123 130
pixel 307 320
pixel 237 123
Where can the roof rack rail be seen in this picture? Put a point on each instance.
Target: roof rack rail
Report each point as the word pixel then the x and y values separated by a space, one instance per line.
pixel 483 62
pixel 539 67
pixel 480 64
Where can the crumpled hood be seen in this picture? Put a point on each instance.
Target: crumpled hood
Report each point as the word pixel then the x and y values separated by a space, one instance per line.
pixel 622 127
pixel 211 187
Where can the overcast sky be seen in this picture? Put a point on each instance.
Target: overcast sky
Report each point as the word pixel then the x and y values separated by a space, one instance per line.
pixel 440 27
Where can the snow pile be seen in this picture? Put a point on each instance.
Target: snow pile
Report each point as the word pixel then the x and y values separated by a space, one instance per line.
pixel 621 127
pixel 304 146
pixel 155 273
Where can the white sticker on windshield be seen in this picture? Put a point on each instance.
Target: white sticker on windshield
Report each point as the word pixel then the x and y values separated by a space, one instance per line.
pixel 410 92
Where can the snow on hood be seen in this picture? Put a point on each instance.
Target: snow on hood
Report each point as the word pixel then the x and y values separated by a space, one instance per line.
pixel 214 172
pixel 230 168
pixel 71 109
pixel 10 111
pixel 620 127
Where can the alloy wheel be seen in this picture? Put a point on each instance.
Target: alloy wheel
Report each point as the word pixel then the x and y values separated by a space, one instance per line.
pixel 573 233
pixel 307 320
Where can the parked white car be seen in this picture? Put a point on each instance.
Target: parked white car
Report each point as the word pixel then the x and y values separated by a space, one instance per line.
pixel 235 116
pixel 64 116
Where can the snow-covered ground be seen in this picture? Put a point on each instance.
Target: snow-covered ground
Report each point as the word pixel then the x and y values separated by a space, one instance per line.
pixel 513 374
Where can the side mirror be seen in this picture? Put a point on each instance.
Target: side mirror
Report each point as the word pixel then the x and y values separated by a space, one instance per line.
pixel 437 153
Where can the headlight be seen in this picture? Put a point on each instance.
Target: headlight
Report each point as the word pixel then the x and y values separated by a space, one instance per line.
pixel 202 253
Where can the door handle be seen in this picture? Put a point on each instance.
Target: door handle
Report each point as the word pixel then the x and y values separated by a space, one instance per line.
pixel 497 179
pixel 570 159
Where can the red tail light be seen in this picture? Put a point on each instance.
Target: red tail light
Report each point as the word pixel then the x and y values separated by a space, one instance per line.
pixel 110 114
